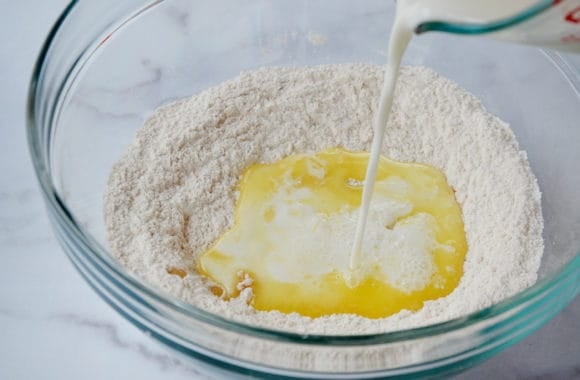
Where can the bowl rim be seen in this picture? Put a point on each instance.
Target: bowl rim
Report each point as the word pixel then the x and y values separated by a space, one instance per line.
pixel 104 262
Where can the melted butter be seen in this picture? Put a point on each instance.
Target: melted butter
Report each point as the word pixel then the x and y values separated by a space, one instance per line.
pixel 293 229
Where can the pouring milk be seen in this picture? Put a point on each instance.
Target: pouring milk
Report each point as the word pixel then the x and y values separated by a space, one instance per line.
pixel 547 23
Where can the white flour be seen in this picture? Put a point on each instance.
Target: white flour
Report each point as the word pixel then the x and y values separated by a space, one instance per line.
pixel 174 191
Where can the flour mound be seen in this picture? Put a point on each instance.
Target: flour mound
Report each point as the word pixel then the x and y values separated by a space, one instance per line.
pixel 173 193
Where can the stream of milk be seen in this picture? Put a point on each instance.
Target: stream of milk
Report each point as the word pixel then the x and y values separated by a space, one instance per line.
pixel 409 15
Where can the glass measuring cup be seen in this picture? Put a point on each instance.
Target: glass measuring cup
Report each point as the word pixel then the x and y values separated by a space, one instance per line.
pixel 552 24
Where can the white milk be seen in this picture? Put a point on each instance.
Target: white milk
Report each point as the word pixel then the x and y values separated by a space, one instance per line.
pixel 400 37
pixel 412 13
pixel 461 11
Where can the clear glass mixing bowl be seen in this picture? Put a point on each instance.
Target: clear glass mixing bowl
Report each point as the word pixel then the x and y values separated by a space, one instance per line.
pixel 107 64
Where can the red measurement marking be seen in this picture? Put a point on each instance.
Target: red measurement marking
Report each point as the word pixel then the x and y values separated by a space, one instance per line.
pixel 573 16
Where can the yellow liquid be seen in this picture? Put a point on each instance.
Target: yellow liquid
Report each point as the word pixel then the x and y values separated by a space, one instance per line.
pixel 289 206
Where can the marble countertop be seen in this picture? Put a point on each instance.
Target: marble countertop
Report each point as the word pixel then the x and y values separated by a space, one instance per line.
pixel 52 325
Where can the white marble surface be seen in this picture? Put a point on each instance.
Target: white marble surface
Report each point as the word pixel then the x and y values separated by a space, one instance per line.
pixel 53 326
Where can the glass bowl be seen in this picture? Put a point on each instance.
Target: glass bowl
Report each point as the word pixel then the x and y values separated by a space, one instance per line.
pixel 106 65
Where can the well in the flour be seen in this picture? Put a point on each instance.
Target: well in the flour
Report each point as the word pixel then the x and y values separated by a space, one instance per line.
pixel 293 229
pixel 173 194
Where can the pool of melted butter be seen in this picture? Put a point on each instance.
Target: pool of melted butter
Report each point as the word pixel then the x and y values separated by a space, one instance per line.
pixel 293 229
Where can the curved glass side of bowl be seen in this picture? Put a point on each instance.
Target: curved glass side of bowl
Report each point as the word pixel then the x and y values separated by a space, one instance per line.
pixel 107 64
